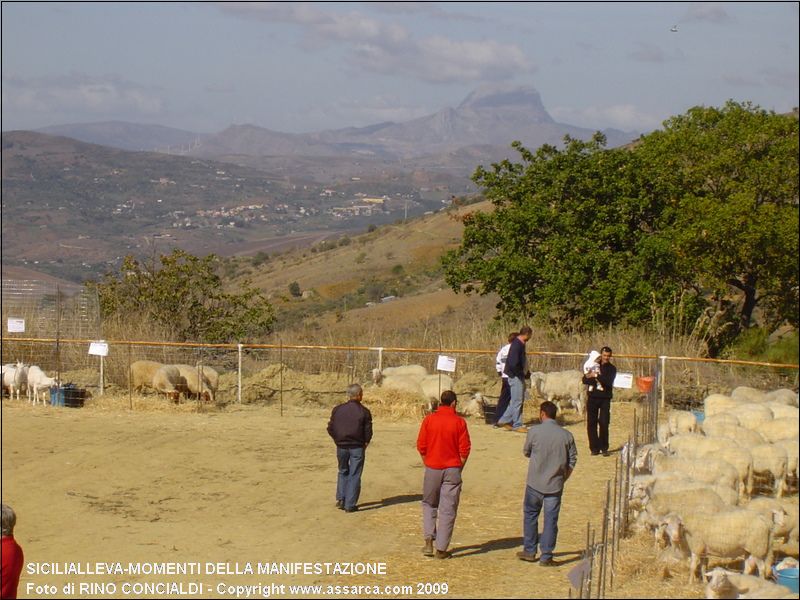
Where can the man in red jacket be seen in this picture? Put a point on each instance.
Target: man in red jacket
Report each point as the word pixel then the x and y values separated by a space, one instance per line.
pixel 13 560
pixel 443 442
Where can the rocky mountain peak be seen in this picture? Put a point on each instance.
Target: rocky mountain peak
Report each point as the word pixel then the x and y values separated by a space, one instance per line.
pixel 505 96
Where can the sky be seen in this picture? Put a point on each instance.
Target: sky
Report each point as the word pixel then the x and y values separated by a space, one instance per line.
pixel 300 67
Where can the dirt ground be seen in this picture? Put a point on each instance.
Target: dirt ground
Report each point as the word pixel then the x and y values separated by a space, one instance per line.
pixel 246 485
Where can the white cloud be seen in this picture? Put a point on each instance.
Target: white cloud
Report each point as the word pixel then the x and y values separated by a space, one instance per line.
pixel 620 116
pixel 77 93
pixel 390 48
pixel 377 109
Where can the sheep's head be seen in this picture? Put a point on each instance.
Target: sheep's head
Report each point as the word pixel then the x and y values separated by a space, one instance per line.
pixel 719 586
pixel 673 529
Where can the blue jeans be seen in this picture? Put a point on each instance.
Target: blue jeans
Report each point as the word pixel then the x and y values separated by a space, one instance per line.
pixel 348 484
pixel 513 413
pixel 502 402
pixel 532 506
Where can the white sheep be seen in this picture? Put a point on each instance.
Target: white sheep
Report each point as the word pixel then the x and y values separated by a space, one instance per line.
pixel 727 584
pixel 787 529
pixel 748 394
pixel 168 381
pixel 564 388
pixel 433 385
pixel 708 469
pixel 698 446
pixel 771 459
pixel 717 403
pixel 741 435
pixel 142 372
pixel 729 534
pixel 38 381
pixel 643 462
pixel 681 485
pixel 473 406
pixel 196 384
pixel 681 421
pixel 717 419
pixel 697 501
pixel 404 383
pixel 413 370
pixel 782 429
pixel 15 378
pixel 783 411
pixel 752 415
pixel 783 396
pixel 211 377
pixel 792 447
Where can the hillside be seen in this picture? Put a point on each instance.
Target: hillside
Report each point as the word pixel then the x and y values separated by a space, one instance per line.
pixel 344 282
pixel 74 209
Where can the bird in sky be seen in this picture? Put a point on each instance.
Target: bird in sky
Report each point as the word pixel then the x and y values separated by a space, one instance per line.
pixel 674 28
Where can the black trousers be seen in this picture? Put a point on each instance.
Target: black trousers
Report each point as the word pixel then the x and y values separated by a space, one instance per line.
pixel 598 418
pixel 505 398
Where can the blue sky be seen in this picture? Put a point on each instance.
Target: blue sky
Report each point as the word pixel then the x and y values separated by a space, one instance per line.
pixel 300 67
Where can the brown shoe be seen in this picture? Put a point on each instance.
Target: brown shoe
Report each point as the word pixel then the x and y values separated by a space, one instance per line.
pixel 428 549
pixel 548 563
pixel 522 429
pixel 527 556
pixel 443 554
pixel 506 426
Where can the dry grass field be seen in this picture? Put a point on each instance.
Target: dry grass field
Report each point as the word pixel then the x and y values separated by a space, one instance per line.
pixel 243 484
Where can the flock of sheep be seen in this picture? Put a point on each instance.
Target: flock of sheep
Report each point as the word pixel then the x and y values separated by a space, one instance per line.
pixel 695 489
pixel 562 387
pixel 31 378
pixel 175 380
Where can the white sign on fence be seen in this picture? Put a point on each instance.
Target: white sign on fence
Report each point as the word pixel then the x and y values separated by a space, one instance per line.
pixel 98 348
pixel 623 380
pixel 16 325
pixel 446 363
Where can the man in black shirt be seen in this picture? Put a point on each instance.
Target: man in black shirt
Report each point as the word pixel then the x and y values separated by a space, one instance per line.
pixel 516 368
pixel 351 429
pixel 598 407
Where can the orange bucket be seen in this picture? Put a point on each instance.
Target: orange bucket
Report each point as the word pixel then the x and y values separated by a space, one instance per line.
pixel 645 384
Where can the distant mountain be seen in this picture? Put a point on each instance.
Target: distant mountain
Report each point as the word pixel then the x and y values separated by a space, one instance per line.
pixel 127 136
pixel 490 118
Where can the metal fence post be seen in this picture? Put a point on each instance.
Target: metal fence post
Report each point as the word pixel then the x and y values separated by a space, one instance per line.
pixel 239 375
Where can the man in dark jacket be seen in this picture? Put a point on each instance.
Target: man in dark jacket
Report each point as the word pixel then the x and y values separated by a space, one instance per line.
pixel 598 407
pixel 351 429
pixel 516 368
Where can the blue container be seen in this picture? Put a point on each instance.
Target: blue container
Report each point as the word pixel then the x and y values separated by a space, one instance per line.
pixel 787 578
pixel 56 396
pixel 67 395
pixel 699 415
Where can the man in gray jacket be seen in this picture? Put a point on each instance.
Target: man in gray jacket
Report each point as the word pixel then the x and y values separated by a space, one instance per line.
pixel 553 455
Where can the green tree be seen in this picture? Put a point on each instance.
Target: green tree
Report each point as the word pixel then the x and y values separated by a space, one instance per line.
pixel 185 295
pixel 729 182
pixel 294 289
pixel 570 238
pixel 705 210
